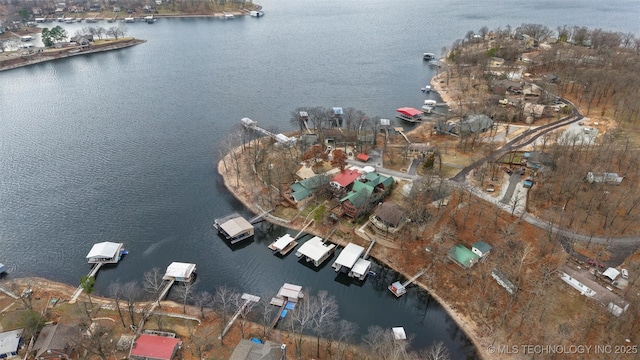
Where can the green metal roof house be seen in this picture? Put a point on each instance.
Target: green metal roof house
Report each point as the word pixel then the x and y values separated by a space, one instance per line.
pixel 302 191
pixel 463 256
pixel 481 248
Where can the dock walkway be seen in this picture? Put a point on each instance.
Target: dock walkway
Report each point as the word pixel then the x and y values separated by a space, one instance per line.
pixel 248 298
pixel 80 289
pixel 154 305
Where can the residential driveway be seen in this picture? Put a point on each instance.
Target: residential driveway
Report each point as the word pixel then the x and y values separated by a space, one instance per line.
pixel 514 179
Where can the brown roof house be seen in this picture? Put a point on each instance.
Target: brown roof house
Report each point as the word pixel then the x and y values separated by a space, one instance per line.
pixel 388 218
pixel 255 350
pixel 57 342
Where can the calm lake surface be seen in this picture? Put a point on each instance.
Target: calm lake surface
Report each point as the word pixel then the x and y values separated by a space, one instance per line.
pixel 123 146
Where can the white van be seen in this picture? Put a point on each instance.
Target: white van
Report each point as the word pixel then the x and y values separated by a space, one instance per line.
pixel 625 273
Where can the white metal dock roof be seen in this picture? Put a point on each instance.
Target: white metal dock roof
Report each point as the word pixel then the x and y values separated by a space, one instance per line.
pixel 236 226
pixel 291 291
pixel 283 241
pixel 361 267
pixel 315 248
pixel 180 270
pixel 349 255
pixel 104 250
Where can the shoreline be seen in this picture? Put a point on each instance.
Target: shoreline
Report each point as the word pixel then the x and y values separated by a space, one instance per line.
pixel 466 324
pixel 37 58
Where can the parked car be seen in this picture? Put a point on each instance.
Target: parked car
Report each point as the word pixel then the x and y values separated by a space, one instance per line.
pixel 625 273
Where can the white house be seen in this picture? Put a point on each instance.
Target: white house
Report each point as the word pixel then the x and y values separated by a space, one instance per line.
pixel 9 343
pixel 604 177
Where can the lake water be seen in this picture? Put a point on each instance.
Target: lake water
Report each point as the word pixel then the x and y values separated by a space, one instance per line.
pixel 123 146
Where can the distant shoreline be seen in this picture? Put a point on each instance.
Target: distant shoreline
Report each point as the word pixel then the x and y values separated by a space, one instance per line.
pixel 18 61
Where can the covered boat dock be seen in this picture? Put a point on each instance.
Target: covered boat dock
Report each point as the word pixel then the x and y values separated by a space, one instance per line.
pixel 348 258
pixel 316 250
pixel 234 228
pixel 409 114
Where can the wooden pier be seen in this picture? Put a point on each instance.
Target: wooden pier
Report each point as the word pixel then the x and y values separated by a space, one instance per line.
pixel 399 289
pixel 366 254
pixel 248 298
pixel 260 217
pixel 151 307
pixel 80 289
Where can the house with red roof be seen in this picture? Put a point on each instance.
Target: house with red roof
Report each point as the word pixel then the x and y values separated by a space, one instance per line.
pixel 345 179
pixel 154 347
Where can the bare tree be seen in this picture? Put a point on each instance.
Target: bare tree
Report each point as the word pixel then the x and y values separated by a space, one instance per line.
pixel 223 300
pixel 131 294
pixel 342 335
pixel 97 339
pixel 115 292
pixel 185 293
pixel 153 283
pixel 245 309
pixel 203 300
pixel 325 316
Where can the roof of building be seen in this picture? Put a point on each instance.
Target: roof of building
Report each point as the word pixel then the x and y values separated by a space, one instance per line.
pixel 349 255
pixel 359 194
pixel 462 255
pixel 249 350
pixel 363 157
pixel 315 248
pixel 390 213
pixel 283 241
pixel 409 111
pixel 376 179
pixel 154 347
pixel 338 111
pixel 180 269
pixel 9 341
pixel 482 246
pixel 236 226
pixel 291 291
pixel 55 337
pixel 304 188
pixel 104 250
pixel 611 273
pixel 361 266
pixel 475 123
pixel 346 177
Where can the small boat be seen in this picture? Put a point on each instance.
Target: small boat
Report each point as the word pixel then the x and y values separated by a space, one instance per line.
pixel 149 19
pixel 257 13
pixel 227 16
pixel 428 56
pixel 371 273
pixel 426 89
pixel 124 252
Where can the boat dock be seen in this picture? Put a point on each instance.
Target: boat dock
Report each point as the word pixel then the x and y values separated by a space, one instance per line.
pixel 399 289
pixel 234 228
pixel 347 258
pixel 248 298
pixel 283 245
pixel 279 138
pixel 287 298
pixel 316 250
pixel 100 254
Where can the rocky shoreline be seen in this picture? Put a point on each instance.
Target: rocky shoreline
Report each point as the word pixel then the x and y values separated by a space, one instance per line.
pixel 470 328
pixel 17 61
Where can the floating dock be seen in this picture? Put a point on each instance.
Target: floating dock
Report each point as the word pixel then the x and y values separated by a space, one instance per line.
pixel 287 298
pixel 283 245
pixel 234 228
pixel 398 289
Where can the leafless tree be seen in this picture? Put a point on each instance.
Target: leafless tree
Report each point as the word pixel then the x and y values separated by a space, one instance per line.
pixel 131 293
pixel 203 300
pixel 185 293
pixel 245 310
pixel 153 283
pixel 342 336
pixel 325 317
pixel 115 292
pixel 97 339
pixel 223 299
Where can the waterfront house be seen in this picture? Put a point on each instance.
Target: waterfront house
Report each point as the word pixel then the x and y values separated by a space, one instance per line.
pixel 582 281
pixel 255 350
pixel 57 341
pixel 316 250
pixel 105 252
pixel 419 149
pixel 180 271
pixel 302 192
pixel 388 218
pixel 462 256
pixel 481 248
pixel 155 347
pixel 372 188
pixel 10 341
pixel 473 124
